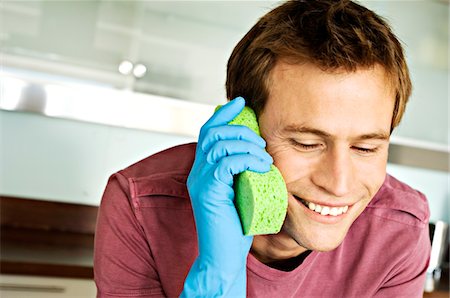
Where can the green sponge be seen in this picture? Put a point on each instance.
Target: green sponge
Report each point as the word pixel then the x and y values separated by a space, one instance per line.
pixel 260 198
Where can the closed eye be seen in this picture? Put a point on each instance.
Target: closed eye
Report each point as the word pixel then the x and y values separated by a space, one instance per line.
pixel 305 147
pixel 365 150
pixel 308 146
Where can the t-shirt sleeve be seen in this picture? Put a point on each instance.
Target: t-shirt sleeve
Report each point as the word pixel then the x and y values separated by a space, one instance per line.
pixel 409 277
pixel 123 263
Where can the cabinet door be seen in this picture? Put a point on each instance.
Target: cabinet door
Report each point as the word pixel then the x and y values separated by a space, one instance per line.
pixel 67 38
pixel 178 49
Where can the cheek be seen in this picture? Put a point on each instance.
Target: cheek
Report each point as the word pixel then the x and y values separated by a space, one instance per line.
pixel 290 163
pixel 376 181
pixel 372 173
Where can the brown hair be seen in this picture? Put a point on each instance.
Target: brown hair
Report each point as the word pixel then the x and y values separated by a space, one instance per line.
pixel 331 34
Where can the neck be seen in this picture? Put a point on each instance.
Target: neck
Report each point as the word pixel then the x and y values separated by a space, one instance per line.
pixel 272 248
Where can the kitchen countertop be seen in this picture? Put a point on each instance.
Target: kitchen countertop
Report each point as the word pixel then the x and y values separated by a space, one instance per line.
pixel 437 294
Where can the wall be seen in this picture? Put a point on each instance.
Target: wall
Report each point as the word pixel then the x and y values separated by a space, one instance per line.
pixel 63 160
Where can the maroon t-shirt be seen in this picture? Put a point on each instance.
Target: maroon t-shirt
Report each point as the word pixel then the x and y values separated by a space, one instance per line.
pixel 146 241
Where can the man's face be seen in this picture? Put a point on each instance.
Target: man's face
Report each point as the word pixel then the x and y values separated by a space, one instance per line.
pixel 328 133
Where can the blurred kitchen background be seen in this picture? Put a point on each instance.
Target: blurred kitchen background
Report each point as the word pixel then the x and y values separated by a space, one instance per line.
pixel 89 87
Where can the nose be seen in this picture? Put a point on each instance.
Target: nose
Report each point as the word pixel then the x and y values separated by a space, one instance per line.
pixel 334 173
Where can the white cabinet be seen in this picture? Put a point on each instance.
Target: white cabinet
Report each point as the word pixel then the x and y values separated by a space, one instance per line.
pixel 185 46
pixel 20 286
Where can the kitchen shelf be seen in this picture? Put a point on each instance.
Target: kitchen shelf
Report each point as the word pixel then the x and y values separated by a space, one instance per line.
pixel 159 114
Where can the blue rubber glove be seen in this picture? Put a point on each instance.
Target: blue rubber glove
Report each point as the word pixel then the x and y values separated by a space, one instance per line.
pixel 222 151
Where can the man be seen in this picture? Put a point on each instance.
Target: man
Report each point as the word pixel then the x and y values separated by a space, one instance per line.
pixel 329 83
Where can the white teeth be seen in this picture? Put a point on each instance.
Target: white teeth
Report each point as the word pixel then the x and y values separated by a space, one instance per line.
pixel 334 211
pixel 325 210
pixel 318 208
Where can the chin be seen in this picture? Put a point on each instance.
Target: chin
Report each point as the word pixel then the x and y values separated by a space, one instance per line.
pixel 324 247
pixel 327 241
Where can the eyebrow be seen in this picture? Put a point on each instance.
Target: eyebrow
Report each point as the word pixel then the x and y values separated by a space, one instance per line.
pixel 379 135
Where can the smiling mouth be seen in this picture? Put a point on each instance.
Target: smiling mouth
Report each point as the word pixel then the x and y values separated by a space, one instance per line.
pixel 323 210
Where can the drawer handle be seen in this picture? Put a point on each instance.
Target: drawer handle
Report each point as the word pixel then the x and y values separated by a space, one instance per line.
pixel 31 288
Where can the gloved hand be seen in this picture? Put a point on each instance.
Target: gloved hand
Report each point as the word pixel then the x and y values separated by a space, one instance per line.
pixel 222 151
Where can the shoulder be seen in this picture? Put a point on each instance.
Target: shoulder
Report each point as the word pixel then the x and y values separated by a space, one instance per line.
pixel 163 173
pixel 397 201
pixel 174 159
pixel 138 241
pixel 391 238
